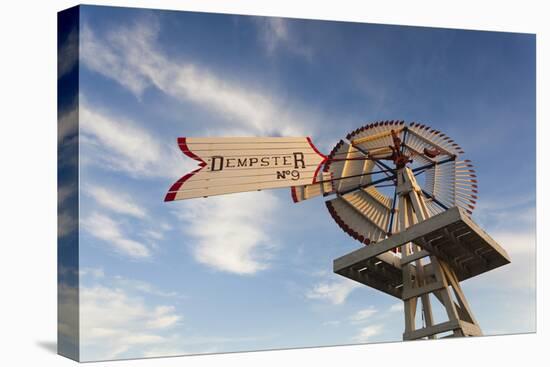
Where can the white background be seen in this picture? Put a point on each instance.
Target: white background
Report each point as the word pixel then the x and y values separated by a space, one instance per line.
pixel 28 184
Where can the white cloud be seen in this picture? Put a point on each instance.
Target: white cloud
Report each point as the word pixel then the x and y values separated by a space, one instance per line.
pixel 104 228
pixel 163 317
pixel 113 322
pixel 521 272
pixel 97 273
pixel 516 243
pixel 364 315
pixel 129 55
pixel 275 33
pixel 495 214
pixel 365 334
pixel 121 318
pixel 143 287
pixel 67 322
pixel 67 136
pixel 66 224
pixel 68 54
pixel 397 307
pixel 67 126
pixel 64 192
pixel 123 137
pixel 116 143
pixel 335 292
pixel 115 201
pixel 154 235
pixel 231 233
pixel 111 56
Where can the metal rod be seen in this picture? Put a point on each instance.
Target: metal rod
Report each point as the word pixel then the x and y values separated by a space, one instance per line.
pixel 367 185
pixel 387 185
pixel 351 159
pixel 392 212
pixel 377 162
pixel 351 176
pixel 430 165
pixel 435 200
pixel 405 129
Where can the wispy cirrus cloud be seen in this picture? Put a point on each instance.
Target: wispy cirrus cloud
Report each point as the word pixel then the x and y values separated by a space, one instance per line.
pixel 68 54
pixel 125 318
pixel 117 143
pixel 276 34
pixel 231 233
pixel 106 229
pixel 67 126
pixel 516 235
pixel 114 322
pixel 66 223
pixel 366 334
pixel 143 287
pixel 397 307
pixel 335 292
pixel 364 315
pixel 115 201
pixel 129 55
pixel 520 274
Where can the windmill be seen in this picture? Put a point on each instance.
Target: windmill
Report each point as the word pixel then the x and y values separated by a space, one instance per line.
pixel 401 190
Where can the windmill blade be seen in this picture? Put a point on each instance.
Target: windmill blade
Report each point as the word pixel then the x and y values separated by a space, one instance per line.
pixel 417 157
pixel 453 184
pixel 422 136
pixel 361 210
pixel 376 135
pixel 355 169
pixel 348 167
pixel 348 213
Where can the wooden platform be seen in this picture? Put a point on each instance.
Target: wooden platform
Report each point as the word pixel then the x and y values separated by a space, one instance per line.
pixel 452 236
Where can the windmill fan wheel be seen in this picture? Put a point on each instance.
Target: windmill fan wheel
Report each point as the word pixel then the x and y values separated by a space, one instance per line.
pixel 363 170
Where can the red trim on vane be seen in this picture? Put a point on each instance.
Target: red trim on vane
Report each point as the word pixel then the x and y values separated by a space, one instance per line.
pixel 170 196
pixel 321 154
pixel 293 193
pixel 182 143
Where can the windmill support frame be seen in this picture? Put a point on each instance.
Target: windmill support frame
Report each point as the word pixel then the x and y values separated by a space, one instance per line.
pixel 437 253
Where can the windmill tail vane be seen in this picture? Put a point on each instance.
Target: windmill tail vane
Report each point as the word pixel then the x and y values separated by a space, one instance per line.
pixel 237 164
pixel 399 188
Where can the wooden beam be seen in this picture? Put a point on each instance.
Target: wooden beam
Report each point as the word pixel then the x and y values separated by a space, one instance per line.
pixel 415 256
pixel 376 136
pixel 371 281
pixel 432 330
pixel 481 233
pixel 470 329
pixel 398 239
pixel 415 292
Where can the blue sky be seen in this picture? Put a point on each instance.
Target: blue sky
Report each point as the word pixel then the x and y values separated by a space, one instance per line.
pixel 253 271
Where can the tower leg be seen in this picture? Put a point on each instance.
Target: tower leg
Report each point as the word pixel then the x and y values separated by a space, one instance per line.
pixel 438 279
pixel 424 274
